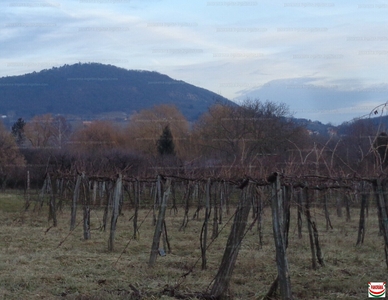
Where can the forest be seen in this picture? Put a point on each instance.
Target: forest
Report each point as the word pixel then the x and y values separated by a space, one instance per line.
pixel 254 139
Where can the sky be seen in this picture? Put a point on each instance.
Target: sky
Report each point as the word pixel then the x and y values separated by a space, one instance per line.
pixel 326 60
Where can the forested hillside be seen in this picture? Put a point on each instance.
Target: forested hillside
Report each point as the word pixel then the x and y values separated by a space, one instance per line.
pixel 88 90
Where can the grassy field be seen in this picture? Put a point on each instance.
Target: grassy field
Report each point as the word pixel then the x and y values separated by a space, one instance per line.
pixel 39 262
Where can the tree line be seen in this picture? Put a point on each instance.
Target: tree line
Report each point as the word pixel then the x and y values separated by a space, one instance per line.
pixel 253 139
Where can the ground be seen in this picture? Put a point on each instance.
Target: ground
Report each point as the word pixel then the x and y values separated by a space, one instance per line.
pixel 38 261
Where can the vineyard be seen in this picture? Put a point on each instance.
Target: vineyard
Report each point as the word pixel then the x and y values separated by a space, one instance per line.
pixel 119 237
pixel 245 204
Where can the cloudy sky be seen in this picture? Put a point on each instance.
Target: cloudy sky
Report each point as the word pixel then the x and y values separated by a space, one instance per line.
pixel 327 60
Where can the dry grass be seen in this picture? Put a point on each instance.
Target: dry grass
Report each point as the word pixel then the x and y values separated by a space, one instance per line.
pixel 32 266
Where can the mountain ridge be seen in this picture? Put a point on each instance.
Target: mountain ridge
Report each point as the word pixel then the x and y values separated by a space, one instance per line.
pixel 88 91
pixel 91 89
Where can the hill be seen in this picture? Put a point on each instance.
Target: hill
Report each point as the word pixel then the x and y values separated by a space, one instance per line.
pixel 315 127
pixel 92 89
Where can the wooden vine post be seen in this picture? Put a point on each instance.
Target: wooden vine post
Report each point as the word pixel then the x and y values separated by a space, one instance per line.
pixel 299 202
pixel 61 191
pixel 279 226
pixel 75 201
pixel 101 189
pixel 159 224
pixel 316 252
pixel 198 197
pixel 361 224
pixel 52 202
pixel 95 187
pixel 45 189
pixel 136 188
pixel 28 196
pixel 173 196
pixel 108 203
pixel 338 204
pixel 205 224
pixel 222 201
pixel 287 197
pixel 309 227
pixel 224 274
pixel 215 215
pixel 327 214
pixel 382 206
pixel 115 211
pixel 347 207
pixel 187 206
pixel 260 208
pixel 157 199
pixel 86 207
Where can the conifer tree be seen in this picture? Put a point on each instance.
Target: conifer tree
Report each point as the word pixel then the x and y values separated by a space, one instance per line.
pixel 165 143
pixel 18 131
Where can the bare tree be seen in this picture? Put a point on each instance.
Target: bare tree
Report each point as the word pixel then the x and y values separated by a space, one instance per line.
pixel 10 156
pixel 247 135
